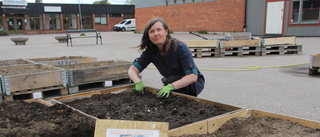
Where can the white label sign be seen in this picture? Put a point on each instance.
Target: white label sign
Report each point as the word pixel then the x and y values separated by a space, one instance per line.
pixel 107 83
pixel 52 8
pixel 37 95
pixel 132 133
pixel 15 2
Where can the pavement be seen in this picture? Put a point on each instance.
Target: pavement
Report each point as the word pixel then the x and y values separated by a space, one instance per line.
pixel 288 91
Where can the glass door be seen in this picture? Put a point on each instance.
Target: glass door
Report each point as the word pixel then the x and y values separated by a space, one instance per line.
pixel 15 25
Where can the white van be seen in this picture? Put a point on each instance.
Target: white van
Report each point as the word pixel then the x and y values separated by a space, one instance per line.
pixel 127 24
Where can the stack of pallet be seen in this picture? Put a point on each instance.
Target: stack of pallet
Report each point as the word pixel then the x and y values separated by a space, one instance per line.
pixel 48 77
pixel 280 46
pixel 241 44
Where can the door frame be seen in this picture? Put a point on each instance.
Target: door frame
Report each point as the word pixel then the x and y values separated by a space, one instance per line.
pixel 283 16
pixel 16 31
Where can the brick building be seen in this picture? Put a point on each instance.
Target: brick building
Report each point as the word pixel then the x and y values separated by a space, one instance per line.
pixel 193 15
pixel 38 18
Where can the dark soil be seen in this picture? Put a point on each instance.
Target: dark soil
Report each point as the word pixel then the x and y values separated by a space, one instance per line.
pixel 131 105
pixel 261 127
pixel 21 119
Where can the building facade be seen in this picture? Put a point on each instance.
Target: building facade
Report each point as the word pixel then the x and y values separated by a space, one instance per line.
pixel 260 17
pixel 283 17
pixel 193 15
pixel 40 18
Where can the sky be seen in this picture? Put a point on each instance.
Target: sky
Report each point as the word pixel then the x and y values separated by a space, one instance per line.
pixel 77 1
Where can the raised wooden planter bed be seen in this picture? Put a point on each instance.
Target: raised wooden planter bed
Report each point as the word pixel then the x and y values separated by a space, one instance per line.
pixel 198 127
pixel 19 41
pixel 95 72
pixel 27 79
pixel 64 60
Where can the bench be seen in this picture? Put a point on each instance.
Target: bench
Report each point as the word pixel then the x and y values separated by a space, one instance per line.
pixel 69 37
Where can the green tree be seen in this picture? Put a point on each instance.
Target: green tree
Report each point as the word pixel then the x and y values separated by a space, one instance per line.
pixel 101 2
pixel 132 2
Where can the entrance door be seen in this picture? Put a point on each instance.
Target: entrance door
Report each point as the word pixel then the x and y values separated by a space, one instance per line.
pixel 274 19
pixel 15 25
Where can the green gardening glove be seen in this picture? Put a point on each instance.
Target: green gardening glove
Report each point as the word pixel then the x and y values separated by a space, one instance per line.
pixel 165 91
pixel 140 87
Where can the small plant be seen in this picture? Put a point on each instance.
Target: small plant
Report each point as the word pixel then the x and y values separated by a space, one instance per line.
pixel 3 33
pixel 171 32
pixel 82 34
pixel 203 32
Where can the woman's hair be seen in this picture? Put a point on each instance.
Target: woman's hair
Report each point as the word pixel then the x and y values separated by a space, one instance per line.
pixel 146 42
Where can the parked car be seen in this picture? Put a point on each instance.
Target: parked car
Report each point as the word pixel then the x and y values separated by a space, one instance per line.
pixel 127 24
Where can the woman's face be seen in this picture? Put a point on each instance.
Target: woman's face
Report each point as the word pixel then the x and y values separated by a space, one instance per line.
pixel 157 34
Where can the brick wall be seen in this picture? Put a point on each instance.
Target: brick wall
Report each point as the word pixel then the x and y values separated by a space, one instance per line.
pixel 213 16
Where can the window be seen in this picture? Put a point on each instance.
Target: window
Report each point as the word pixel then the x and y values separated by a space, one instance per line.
pixel 53 21
pixel 305 11
pixel 70 21
pixel 34 22
pixel 100 19
pixel 1 24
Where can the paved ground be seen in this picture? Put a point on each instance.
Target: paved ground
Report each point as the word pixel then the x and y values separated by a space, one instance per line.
pixel 289 91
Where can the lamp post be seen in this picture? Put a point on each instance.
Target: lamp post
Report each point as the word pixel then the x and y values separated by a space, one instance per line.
pixel 80 15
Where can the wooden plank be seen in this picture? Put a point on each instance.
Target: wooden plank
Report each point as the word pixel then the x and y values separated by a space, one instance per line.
pixel 216 122
pixel 240 43
pixel 82 76
pixel 201 43
pixel 144 128
pixel 303 122
pixel 200 127
pixel 34 81
pixel 281 40
pixel 40 101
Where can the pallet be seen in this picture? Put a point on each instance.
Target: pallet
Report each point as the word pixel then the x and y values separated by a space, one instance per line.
pixel 240 51
pixel 240 48
pixel 281 49
pixel 203 48
pixel 204 52
pixel 36 93
pixel 98 85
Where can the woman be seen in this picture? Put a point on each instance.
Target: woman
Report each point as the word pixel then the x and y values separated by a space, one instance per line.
pixel 171 57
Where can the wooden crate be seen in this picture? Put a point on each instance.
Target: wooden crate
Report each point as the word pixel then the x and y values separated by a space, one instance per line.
pixel 203 48
pixel 240 48
pixel 200 127
pixel 18 81
pixel 64 60
pixel 238 36
pixel 96 74
pixel 314 64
